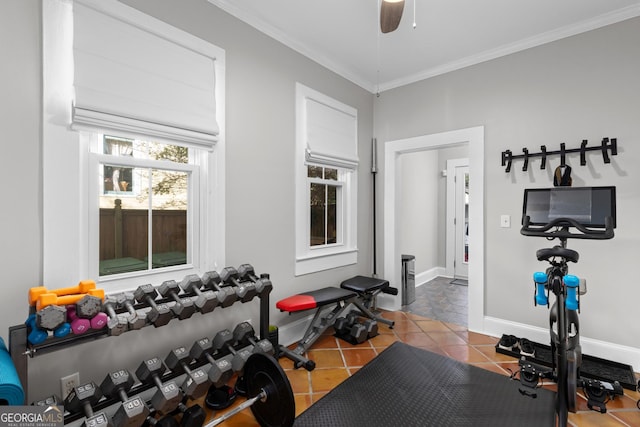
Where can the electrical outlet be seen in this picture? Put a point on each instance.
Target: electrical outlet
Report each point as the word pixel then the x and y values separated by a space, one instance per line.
pixel 68 383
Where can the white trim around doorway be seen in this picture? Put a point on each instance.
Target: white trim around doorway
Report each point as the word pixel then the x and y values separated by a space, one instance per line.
pixel 474 138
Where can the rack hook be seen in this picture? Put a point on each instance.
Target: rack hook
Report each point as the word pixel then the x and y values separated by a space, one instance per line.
pixel 506 160
pixel 543 162
pixel 525 166
pixel 563 162
pixel 583 146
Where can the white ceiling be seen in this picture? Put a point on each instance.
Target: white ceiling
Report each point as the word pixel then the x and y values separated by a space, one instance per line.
pixel 344 35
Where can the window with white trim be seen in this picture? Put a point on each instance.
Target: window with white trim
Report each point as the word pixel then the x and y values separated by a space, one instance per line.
pixel 136 145
pixel 327 161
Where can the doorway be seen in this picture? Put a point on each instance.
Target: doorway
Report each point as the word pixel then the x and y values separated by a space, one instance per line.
pixel 457 233
pixel 474 137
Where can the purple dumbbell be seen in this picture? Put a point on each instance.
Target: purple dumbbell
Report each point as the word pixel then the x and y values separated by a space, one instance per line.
pixel 78 325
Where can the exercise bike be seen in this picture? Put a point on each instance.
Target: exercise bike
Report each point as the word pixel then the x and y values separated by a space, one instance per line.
pixel 566 213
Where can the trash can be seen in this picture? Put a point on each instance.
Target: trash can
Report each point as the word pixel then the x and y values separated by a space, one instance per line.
pixel 408 279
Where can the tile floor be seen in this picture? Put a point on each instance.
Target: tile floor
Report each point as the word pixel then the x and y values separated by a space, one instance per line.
pixel 439 299
pixel 336 360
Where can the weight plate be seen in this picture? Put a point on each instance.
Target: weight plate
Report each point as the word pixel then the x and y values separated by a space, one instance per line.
pixel 263 372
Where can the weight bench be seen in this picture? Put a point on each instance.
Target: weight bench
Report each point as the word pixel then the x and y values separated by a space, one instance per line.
pixel 359 291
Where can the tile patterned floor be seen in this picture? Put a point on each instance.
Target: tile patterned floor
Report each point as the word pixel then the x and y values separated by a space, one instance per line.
pixel 439 299
pixel 336 360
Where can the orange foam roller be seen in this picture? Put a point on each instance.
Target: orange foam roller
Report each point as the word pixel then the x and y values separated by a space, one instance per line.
pixel 82 288
pixel 53 299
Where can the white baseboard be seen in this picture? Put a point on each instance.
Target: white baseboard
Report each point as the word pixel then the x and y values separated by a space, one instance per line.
pixel 602 349
pixel 432 273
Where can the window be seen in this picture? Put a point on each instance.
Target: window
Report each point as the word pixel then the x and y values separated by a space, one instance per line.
pixel 326 150
pixel 133 157
pixel 144 204
pixel 325 193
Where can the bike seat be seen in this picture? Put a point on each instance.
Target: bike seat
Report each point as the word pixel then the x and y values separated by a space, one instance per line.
pixel 557 251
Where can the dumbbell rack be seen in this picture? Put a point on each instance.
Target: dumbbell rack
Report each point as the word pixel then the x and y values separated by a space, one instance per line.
pixel 21 351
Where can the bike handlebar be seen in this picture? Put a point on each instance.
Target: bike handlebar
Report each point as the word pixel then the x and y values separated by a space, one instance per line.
pixel 562 226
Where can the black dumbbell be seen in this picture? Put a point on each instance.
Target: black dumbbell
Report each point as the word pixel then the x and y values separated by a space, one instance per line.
pixel 167 396
pixel 205 301
pixel 160 314
pixel 223 345
pixel 136 319
pixel 226 296
pixel 220 371
pixel 167 421
pixel 133 412
pixel 183 307
pixel 370 325
pixel 263 283
pixel 117 323
pixel 245 291
pixel 196 383
pixel 244 335
pixel 357 330
pixel 81 400
pixel 192 416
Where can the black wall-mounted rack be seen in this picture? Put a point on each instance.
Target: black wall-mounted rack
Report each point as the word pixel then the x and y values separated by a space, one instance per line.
pixel 607 146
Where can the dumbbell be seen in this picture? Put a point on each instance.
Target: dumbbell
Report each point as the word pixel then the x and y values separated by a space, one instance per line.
pixel 167 421
pixel 82 288
pixel 370 325
pixel 117 323
pixel 196 382
pixel 167 396
pixel 86 314
pixel 220 371
pixel 183 307
pixel 205 301
pixel 263 283
pixel 133 411
pixel 51 318
pixel 226 296
pixel 192 416
pixel 223 345
pixel 81 400
pixel 136 319
pixel 160 314
pixel 52 400
pixel 244 335
pixel 245 291
pixel 53 299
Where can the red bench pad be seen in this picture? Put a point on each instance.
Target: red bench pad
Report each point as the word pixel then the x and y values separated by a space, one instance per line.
pixel 314 299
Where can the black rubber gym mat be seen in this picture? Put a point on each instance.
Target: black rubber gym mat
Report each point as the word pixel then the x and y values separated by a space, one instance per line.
pixel 408 386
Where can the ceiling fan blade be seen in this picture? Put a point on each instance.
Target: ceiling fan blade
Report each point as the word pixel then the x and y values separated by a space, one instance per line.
pixel 390 15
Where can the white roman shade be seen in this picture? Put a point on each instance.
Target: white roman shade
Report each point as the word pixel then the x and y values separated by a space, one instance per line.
pixel 140 80
pixel 331 132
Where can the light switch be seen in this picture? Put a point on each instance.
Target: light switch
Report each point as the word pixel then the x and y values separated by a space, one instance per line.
pixel 505 221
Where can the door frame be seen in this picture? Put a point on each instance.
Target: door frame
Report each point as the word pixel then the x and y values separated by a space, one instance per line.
pixel 474 137
pixel 450 243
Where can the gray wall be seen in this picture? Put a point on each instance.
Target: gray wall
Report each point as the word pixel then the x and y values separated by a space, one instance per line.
pixel 20 173
pixel 418 210
pixel 582 87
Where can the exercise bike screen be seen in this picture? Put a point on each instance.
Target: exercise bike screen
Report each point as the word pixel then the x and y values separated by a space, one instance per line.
pixel 587 205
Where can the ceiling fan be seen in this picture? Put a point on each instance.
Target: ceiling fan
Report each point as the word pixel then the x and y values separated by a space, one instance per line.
pixel 390 15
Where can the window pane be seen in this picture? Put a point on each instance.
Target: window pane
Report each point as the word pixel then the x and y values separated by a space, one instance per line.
pixel 331 174
pixel 169 218
pixel 124 229
pixel 314 171
pixel 332 210
pixel 117 146
pixel 317 229
pixel 124 222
